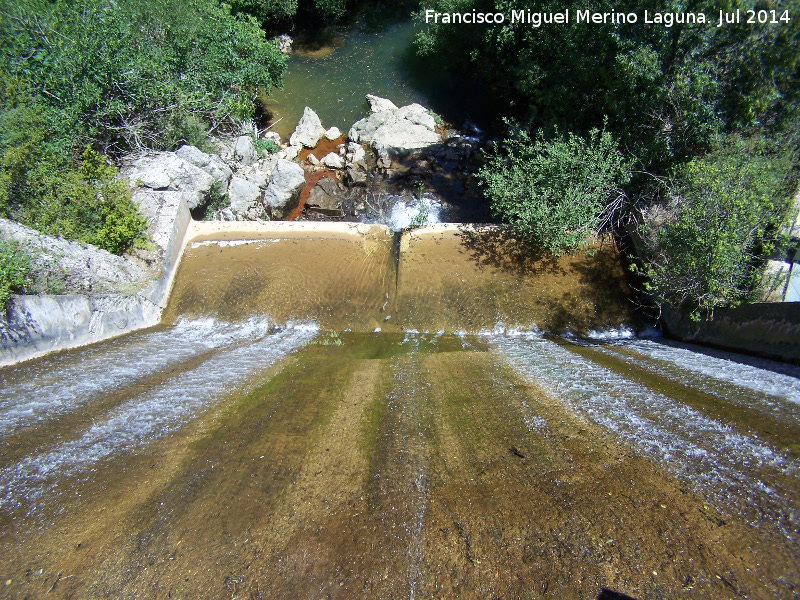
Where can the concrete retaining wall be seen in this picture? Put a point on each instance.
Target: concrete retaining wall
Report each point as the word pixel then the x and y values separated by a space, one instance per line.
pixel 767 329
pixel 38 325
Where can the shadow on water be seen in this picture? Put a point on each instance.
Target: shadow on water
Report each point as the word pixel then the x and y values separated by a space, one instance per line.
pixel 502 249
pixel 459 97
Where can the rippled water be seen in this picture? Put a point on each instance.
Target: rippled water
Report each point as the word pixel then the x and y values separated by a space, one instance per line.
pixel 242 351
pixel 734 471
pixel 506 426
pixel 335 81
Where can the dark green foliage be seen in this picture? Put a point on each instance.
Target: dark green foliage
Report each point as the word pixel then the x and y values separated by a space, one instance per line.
pixel 268 145
pixel 266 10
pixel 670 94
pixel 665 90
pixel 130 74
pixel 118 76
pixel 90 205
pixel 271 11
pixel 15 268
pixel 556 192
pixel 724 217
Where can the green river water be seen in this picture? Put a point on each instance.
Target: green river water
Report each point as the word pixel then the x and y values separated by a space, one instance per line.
pixel 335 80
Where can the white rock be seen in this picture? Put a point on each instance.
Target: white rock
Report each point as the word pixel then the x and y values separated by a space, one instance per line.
pixel 243 195
pixel 378 104
pixel 210 163
pixel 274 136
pixel 333 161
pixel 245 151
pixel 285 184
pixel 167 171
pixel 313 160
pixel 309 130
pixel 333 133
pixel 258 178
pixel 81 267
pixel 291 152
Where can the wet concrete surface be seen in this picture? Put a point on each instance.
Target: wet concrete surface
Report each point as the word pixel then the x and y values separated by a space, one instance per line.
pixel 400 466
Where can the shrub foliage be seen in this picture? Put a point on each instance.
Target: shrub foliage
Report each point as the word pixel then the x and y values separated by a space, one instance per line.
pixel 556 192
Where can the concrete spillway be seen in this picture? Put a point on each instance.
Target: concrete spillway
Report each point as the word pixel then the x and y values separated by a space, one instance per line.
pixel 267 442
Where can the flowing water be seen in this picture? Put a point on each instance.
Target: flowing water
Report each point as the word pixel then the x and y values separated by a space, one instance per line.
pixel 349 413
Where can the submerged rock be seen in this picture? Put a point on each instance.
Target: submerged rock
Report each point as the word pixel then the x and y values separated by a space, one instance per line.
pixel 309 130
pixel 285 184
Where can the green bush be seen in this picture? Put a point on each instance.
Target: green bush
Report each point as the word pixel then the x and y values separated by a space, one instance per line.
pixel 118 76
pixel 90 205
pixel 15 268
pixel 725 210
pixel 268 145
pixel 554 193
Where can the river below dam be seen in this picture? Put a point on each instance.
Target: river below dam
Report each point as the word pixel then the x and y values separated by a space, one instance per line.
pixel 352 413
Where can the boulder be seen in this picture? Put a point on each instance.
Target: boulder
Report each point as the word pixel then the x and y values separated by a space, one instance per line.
pixel 285 184
pixel 274 136
pixel 396 131
pixel 291 152
pixel 258 178
pixel 244 197
pixel 355 177
pixel 210 163
pixel 357 151
pixel 284 43
pixel 333 133
pixel 378 104
pixel 333 161
pixel 313 160
pixel 245 151
pixel 309 130
pixel 73 267
pixel 326 198
pixel 166 171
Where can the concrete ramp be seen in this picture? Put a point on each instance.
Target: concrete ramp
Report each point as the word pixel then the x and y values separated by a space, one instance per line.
pixel 363 277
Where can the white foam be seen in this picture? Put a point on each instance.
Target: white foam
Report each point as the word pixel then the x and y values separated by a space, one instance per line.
pixel 57 385
pixel 406 212
pixel 150 416
pixel 765 380
pixel 622 333
pixel 233 243
pixel 717 461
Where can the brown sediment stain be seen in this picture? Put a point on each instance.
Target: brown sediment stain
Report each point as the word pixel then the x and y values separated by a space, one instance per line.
pixel 322 149
pixel 312 179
